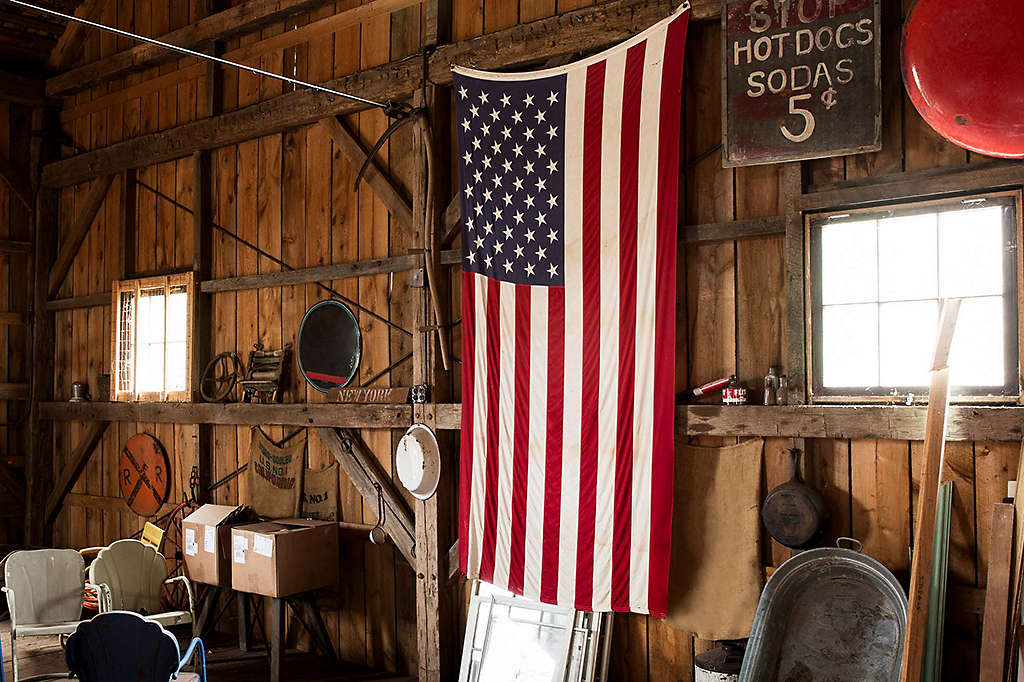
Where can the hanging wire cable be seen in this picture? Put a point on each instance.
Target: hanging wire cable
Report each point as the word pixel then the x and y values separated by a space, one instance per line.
pixel 194 53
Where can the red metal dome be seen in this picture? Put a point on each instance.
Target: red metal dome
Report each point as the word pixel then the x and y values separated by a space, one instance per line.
pixel 964 72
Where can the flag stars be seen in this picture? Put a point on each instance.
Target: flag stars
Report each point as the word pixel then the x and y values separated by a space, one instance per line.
pixel 496 148
pixel 553 98
pixel 478 209
pixel 542 253
pixel 529 201
pixel 553 270
pixel 552 166
pixel 487 261
pixel 506 132
pixel 485 129
pixel 518 184
pixel 487 162
pixel 517 116
pixel 507 165
pixel 497 180
pixel 540 116
pixel 483 98
pixel 488 228
pixel 517 150
pixel 528 167
pixel 530 235
pixel 528 101
pixel 497 247
pixel 479 242
pixel 552 201
pixel 463 92
pixel 476 143
pixel 477 176
pixel 529 133
pixel 471 257
pixel 530 267
pixel 494 115
pixel 541 184
pixel 474 110
pixel 467 157
pixel 469 190
pixel 518 216
pixel 519 251
pixel 552 236
pixel 541 150
pixel 487 195
pixel 542 219
pixel 466 124
pixel 505 99
pixel 552 132
pixel 507 232
pixel 508 266
pixel 507 199
pixel 497 213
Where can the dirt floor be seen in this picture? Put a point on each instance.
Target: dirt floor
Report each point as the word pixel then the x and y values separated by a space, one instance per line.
pixel 40 655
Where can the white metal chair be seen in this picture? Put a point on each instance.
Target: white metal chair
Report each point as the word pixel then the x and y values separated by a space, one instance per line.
pixel 44 590
pixel 130 576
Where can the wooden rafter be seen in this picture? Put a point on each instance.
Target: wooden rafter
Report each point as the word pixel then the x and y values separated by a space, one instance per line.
pixel 78 233
pixel 17 180
pixel 246 17
pixel 378 180
pixel 581 30
pixel 74 468
pixel 72 40
pixel 366 475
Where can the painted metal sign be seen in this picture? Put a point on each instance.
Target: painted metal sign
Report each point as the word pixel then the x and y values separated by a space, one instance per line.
pixel 802 79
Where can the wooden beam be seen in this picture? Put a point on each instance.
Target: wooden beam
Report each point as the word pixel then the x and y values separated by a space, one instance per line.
pixel 913 185
pixel 793 254
pixel 370 480
pixel 379 181
pixel 73 302
pixel 997 596
pixel 72 40
pixel 924 515
pixel 77 234
pixel 74 468
pixel 733 229
pixel 17 180
pixel 582 30
pixel 13 391
pixel 843 422
pixel 246 17
pixel 21 89
pixel 295 414
pixel 15 246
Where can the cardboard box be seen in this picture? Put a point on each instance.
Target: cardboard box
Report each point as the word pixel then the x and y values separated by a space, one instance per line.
pixel 207 542
pixel 284 557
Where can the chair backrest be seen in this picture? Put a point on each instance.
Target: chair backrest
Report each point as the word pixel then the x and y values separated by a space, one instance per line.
pixel 47 585
pixel 120 645
pixel 135 574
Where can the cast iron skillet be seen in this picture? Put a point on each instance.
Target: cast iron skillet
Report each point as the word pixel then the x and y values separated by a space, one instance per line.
pixel 794 513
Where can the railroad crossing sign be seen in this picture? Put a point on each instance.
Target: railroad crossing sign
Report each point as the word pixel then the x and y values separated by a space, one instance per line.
pixel 143 474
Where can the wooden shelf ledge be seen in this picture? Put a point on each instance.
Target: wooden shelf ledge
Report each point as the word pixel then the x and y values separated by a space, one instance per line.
pixel 889 422
pixel 966 423
pixel 296 414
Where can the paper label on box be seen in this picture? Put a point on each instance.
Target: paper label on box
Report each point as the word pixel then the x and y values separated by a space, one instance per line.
pixel 209 538
pixel 241 545
pixel 263 544
pixel 191 548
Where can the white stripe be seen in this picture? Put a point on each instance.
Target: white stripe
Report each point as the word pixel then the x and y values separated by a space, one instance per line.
pixel 476 509
pixel 646 262
pixel 608 399
pixel 506 412
pixel 574 97
pixel 538 442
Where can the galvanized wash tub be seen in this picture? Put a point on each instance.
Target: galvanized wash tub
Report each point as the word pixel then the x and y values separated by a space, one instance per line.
pixel 828 615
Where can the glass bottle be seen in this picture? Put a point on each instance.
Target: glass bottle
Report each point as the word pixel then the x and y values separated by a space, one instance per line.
pixel 782 395
pixel 771 386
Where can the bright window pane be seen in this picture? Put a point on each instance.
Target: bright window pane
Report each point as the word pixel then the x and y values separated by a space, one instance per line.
pixel 907 338
pixel 976 357
pixel 971 252
pixel 850 345
pixel 907 258
pixel 849 272
pixel 149 364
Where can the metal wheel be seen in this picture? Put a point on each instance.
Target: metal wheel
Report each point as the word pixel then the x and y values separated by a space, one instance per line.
pixel 220 376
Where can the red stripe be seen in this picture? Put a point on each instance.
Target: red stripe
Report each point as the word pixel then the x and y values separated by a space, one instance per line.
pixel 466 449
pixel 629 162
pixel 320 376
pixel 593 111
pixel 520 440
pixel 553 454
pixel 493 342
pixel 665 321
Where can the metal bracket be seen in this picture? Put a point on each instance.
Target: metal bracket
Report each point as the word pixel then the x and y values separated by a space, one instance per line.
pixel 420 392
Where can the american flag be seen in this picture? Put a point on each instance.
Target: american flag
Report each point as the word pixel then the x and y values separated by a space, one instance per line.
pixel 568 180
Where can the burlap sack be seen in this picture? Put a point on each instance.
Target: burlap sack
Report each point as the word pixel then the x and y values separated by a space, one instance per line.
pixel 275 476
pixel 716 576
pixel 320 494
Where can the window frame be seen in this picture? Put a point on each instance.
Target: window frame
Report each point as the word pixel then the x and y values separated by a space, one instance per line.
pixel 166 282
pixel 1013 308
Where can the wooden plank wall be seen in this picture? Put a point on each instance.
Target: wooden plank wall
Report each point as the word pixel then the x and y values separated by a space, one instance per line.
pixel 291 193
pixel 15 224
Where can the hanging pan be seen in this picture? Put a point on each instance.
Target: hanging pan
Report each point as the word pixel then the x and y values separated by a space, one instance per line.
pixel 794 513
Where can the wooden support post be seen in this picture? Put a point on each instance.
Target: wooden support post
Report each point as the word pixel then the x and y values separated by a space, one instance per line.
pixel 924 527
pixel 202 322
pixel 39 434
pixel 366 475
pixel 997 595
pixel 793 185
pixel 244 620
pixel 435 631
pixel 126 225
pixel 379 181
pixel 74 468
pixel 78 232
pixel 276 637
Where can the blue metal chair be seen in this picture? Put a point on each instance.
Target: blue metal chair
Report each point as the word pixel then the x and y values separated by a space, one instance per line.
pixel 122 646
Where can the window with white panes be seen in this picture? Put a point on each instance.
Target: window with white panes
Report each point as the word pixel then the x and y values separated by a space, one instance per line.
pixel 152 338
pixel 876 279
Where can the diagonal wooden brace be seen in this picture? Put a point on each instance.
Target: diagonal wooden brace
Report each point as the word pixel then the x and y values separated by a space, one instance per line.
pixel 77 234
pixel 366 475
